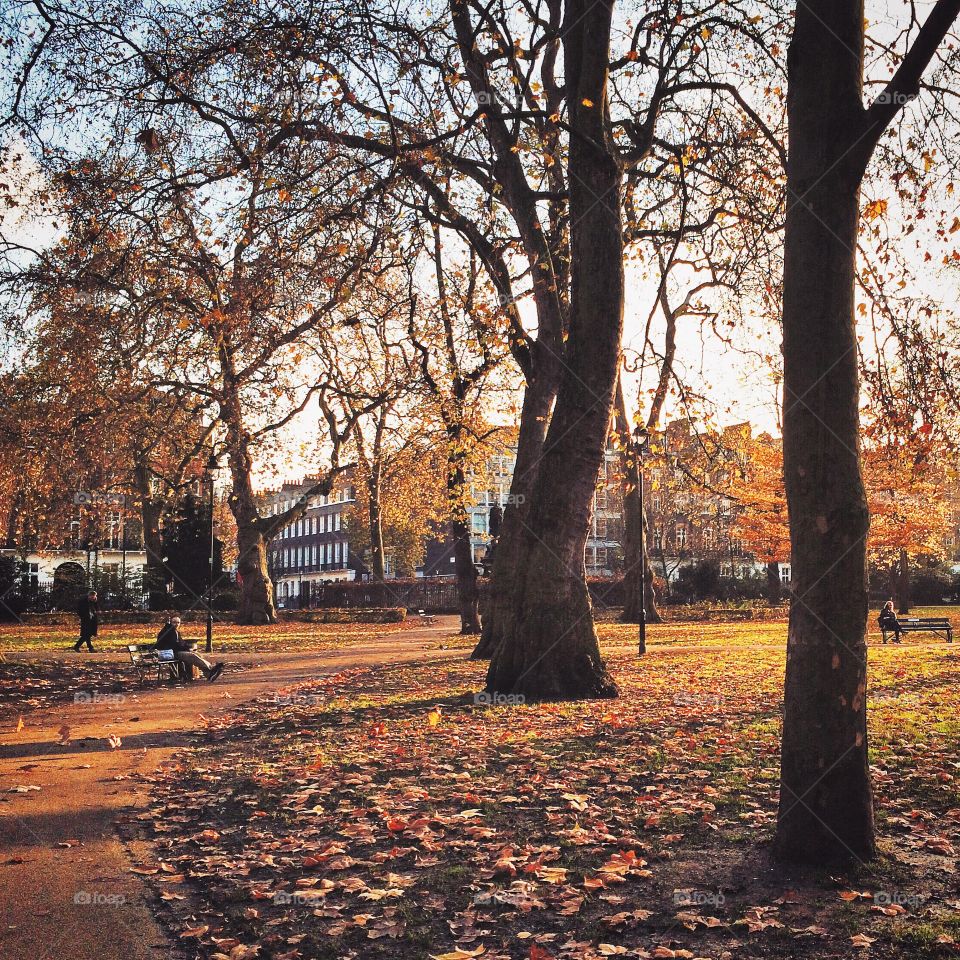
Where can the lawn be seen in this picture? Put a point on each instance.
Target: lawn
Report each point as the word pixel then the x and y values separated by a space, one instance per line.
pixel 284 636
pixel 390 812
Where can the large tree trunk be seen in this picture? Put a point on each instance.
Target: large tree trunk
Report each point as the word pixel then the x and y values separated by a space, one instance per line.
pixel 903 583
pixel 534 417
pixel 256 587
pixel 826 805
pixel 550 648
pixel 151 517
pixel 376 525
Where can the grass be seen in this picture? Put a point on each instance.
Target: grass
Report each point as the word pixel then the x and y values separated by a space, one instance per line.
pixel 497 824
pixel 281 637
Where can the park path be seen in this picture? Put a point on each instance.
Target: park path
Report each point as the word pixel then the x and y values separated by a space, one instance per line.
pixel 66 890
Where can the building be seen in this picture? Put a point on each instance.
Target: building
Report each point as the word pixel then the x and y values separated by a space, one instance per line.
pixel 314 549
pixel 691 518
pixel 490 484
pixel 102 549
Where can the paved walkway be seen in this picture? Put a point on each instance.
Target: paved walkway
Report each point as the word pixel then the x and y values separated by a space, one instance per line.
pixel 66 890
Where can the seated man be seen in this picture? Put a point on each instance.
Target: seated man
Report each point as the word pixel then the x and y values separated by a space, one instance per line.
pixel 888 622
pixel 169 639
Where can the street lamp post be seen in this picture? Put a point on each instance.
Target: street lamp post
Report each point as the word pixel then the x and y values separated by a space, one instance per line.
pixel 211 472
pixel 639 445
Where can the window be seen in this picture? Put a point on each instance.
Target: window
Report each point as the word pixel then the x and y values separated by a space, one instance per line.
pixel 680 536
pixel 726 570
pixel 313 562
pixel 478 522
pixel 336 520
pixel 784 573
pixel 736 545
pixel 709 537
pixel 656 503
pixel 336 552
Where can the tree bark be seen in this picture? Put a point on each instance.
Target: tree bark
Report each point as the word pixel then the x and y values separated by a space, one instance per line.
pixel 826 804
pixel 774 584
pixel 151 517
pixel 468 595
pixel 639 597
pixel 376 524
pixel 903 583
pixel 550 648
pixel 256 587
pixel 535 411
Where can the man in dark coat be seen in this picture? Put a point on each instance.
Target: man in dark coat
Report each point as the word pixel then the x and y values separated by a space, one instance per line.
pixel 87 610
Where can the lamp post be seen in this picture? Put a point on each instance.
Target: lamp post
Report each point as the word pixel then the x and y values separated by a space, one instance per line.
pixel 639 445
pixel 211 473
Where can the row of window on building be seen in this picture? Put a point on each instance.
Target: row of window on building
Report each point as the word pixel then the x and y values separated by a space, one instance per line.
pixel 708 536
pixel 309 526
pixel 317 556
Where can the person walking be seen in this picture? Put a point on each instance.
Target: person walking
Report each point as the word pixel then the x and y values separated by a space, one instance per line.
pixel 889 623
pixel 169 638
pixel 87 611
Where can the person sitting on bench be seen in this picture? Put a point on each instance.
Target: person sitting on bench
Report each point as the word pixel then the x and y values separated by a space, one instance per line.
pixel 888 622
pixel 169 639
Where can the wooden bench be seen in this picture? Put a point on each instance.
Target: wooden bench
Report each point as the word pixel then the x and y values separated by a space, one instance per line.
pixel 938 625
pixel 148 661
pixel 426 617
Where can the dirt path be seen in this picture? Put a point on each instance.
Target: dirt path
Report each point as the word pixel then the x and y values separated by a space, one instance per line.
pixel 66 890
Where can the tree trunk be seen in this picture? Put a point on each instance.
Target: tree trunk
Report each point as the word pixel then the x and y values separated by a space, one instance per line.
pixel 639 595
pixel 826 804
pixel 550 648
pixel 903 583
pixel 151 516
pixel 256 587
pixel 376 525
pixel 774 584
pixel 468 596
pixel 534 416
pixel 653 610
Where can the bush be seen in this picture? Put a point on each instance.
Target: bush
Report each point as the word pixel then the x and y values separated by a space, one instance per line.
pixel 930 585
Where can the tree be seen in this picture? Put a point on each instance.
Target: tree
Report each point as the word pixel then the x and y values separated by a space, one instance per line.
pixel 458 352
pixel 186 542
pixel 762 523
pixel 826 807
pixel 907 511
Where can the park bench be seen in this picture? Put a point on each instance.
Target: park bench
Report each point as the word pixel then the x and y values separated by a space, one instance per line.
pixel 426 617
pixel 937 625
pixel 150 662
